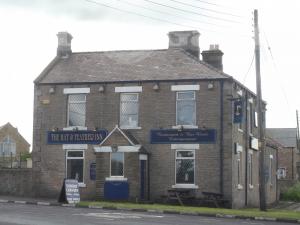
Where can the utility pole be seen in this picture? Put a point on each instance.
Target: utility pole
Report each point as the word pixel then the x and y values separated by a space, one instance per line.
pixel 297 132
pixel 261 133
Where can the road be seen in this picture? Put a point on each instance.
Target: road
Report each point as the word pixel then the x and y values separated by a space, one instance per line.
pixel 21 214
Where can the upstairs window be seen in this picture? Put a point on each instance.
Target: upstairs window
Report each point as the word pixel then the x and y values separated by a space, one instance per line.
pixel 76 110
pixel 185 108
pixel 129 110
pixel 7 147
pixel 250 118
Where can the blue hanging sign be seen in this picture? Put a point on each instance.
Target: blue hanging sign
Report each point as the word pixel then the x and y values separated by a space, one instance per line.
pixel 237 111
pixel 76 137
pixel 172 136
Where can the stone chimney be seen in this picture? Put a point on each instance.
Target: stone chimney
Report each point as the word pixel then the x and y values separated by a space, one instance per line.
pixel 64 44
pixel 213 56
pixel 187 40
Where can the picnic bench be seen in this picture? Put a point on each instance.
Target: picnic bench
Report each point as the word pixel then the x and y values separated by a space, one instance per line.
pixel 180 195
pixel 215 198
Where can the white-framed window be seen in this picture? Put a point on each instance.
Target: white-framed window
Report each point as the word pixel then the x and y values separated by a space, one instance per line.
pixel 186 108
pixel 239 151
pixel 75 165
pixel 250 168
pixel 250 118
pixel 281 173
pixel 129 110
pixel 76 110
pixel 117 164
pixel 271 169
pixel 185 166
pixel 8 147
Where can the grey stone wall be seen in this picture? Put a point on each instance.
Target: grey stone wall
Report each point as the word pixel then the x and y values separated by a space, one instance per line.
pixel 17 182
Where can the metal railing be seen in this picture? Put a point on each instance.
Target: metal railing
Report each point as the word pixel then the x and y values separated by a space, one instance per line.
pixel 11 161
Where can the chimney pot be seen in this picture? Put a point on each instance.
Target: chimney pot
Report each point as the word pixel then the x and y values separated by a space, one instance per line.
pixel 187 40
pixel 64 44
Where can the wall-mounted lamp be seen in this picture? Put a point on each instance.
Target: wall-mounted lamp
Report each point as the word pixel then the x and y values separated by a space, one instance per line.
pixel 55 129
pixel 210 86
pixel 101 89
pixel 155 87
pixel 51 90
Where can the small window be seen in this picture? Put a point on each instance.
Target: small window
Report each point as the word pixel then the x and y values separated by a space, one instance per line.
pixel 185 167
pixel 117 164
pixel 271 169
pixel 185 108
pixel 129 110
pixel 250 118
pixel 76 110
pixel 75 165
pixel 239 151
pixel 281 173
pixel 250 168
pixel 8 147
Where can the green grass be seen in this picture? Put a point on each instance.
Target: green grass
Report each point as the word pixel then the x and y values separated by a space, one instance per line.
pixel 293 193
pixel 272 213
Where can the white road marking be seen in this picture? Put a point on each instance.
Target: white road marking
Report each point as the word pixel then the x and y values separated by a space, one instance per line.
pixel 112 216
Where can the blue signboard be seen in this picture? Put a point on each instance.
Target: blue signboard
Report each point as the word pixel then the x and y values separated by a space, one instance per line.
pixel 172 136
pixel 76 137
pixel 116 190
pixel 237 111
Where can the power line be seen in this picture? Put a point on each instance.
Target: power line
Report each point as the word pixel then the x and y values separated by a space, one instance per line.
pixel 206 9
pixel 275 67
pixel 165 13
pixel 149 17
pixel 192 12
pixel 246 74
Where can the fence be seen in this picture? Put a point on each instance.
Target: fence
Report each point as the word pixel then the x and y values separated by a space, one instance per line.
pixel 21 160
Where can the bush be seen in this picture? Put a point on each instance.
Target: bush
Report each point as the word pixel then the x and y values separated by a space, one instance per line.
pixel 293 193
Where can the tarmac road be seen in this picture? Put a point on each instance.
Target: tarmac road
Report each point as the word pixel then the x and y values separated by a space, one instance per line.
pixel 21 214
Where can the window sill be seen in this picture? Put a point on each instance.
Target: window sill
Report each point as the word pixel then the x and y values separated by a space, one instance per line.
pixel 185 127
pixel 239 187
pixel 130 128
pixel 75 127
pixel 115 179
pixel 251 186
pixel 191 186
pixel 81 185
pixel 240 130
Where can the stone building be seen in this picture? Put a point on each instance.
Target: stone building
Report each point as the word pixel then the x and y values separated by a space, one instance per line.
pixel 288 156
pixel 134 124
pixel 12 143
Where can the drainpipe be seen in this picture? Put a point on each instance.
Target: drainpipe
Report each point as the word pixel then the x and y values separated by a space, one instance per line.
pixel 221 136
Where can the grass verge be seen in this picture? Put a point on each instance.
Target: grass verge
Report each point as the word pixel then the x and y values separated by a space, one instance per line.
pixel 271 213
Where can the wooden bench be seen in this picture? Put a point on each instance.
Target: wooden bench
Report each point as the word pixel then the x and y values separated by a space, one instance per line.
pixel 180 195
pixel 215 198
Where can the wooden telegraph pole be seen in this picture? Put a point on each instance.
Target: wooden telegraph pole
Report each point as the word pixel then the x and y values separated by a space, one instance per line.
pixel 261 133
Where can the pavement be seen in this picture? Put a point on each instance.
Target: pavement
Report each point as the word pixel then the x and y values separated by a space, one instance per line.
pixel 53 202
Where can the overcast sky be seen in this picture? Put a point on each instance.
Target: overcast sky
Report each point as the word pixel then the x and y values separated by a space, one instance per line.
pixel 28 43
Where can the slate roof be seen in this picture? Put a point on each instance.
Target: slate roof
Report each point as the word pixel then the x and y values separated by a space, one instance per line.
pixel 16 130
pixel 121 66
pixel 285 136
